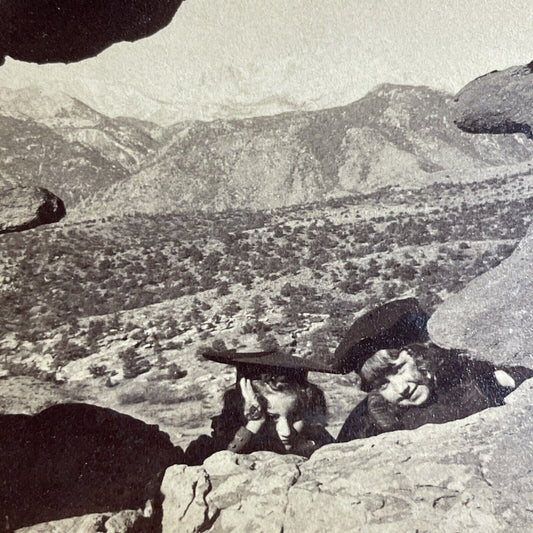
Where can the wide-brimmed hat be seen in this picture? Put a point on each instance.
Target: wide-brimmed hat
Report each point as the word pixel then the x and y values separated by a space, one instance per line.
pixel 391 325
pixel 251 364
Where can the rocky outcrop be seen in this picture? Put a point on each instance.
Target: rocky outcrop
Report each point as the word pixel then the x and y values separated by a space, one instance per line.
pixel 491 317
pixel 232 492
pixel 70 31
pixel 467 475
pixel 498 102
pixel 128 521
pixel 23 208
pixel 74 459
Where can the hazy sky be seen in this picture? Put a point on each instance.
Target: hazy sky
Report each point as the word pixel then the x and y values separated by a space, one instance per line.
pixel 293 54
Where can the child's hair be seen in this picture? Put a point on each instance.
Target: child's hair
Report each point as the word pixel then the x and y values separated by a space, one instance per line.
pixel 311 402
pixel 383 363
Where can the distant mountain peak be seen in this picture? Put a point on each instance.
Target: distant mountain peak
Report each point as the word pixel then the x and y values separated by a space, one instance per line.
pixel 396 135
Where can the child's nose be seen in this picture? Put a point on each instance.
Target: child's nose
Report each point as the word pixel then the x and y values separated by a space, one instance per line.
pixel 283 427
pixel 401 386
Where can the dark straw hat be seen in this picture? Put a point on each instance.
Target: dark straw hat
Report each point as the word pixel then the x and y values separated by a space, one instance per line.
pixel 252 364
pixel 391 325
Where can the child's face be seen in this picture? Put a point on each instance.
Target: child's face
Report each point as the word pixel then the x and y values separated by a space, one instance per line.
pixel 282 410
pixel 406 386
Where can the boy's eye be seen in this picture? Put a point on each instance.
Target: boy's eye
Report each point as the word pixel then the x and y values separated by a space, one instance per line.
pixel 274 417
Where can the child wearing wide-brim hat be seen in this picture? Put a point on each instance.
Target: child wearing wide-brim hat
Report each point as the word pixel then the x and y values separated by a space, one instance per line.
pixel 272 407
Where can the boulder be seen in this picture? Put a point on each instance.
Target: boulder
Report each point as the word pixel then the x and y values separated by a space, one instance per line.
pixel 23 208
pixel 467 475
pixel 41 31
pixel 127 521
pixel 498 102
pixel 75 459
pixel 92 523
pixel 491 316
pixel 235 492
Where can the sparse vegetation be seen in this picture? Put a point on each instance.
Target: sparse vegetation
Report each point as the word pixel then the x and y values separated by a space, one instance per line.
pixel 79 279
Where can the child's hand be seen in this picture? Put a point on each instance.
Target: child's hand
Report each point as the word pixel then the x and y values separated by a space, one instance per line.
pixel 252 409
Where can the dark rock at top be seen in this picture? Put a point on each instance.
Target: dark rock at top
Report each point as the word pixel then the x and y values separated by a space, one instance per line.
pixel 498 102
pixel 42 31
pixel 23 208
pixel 75 459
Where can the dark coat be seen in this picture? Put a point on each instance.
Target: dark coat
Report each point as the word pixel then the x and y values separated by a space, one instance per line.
pixel 462 387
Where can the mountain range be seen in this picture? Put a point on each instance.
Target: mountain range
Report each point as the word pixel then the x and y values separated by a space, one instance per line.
pixel 401 136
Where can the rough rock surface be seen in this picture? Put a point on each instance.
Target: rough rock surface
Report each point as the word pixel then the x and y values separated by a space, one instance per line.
pixel 491 316
pixel 498 102
pixel 467 475
pixel 127 521
pixel 91 523
pixel 230 493
pixel 23 208
pixel 41 31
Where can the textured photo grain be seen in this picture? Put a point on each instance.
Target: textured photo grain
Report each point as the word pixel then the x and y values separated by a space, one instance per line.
pixel 266 267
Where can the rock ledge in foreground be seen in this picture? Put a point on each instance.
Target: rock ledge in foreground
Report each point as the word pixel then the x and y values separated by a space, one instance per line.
pixel 467 475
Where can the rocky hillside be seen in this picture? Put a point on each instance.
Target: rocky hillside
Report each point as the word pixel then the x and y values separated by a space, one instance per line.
pixel 396 135
pixel 118 309
pixel 54 141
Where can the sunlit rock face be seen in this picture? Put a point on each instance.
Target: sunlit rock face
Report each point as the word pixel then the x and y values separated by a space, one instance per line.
pixel 498 102
pixel 466 475
pixel 23 208
pixel 41 31
pixel 492 316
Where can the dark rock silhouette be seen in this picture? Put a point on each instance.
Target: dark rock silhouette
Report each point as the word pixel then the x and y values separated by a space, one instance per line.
pixel 498 102
pixel 75 459
pixel 23 208
pixel 41 31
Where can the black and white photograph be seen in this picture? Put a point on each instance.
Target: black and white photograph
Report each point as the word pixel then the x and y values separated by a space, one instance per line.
pixel 266 266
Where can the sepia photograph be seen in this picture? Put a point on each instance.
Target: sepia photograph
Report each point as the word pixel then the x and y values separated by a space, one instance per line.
pixel 266 267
